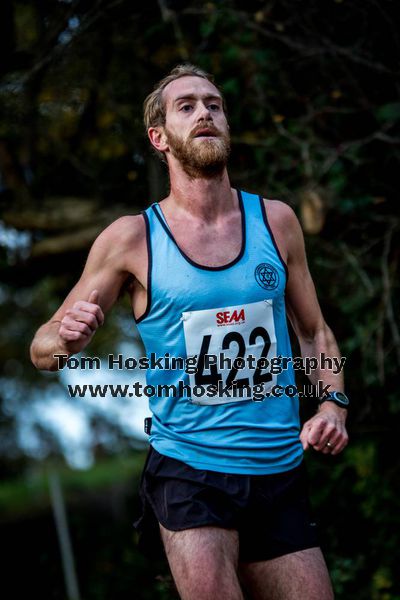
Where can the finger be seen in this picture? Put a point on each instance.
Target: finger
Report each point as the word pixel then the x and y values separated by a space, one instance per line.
pixel 341 445
pixel 303 436
pixel 82 316
pixel 338 449
pixel 304 442
pixel 89 307
pixel 316 430
pixel 74 325
pixel 335 444
pixel 329 434
pixel 69 336
pixel 331 449
pixel 94 297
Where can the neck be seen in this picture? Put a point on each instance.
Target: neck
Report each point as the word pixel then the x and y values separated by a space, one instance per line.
pixel 206 198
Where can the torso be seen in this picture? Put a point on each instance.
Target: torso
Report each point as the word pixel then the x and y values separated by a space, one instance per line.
pixel 207 245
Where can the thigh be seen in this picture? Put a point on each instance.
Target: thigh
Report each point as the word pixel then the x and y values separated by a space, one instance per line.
pixel 300 574
pixel 203 562
pixel 182 498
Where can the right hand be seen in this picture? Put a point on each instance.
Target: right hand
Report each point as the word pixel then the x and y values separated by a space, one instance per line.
pixel 80 323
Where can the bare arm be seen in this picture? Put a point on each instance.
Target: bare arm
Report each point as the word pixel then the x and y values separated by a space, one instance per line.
pixel 73 325
pixel 314 335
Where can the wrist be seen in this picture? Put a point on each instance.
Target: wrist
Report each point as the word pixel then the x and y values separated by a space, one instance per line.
pixel 330 406
pixel 335 398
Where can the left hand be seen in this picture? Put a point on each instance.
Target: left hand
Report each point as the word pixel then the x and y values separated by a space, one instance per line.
pixel 326 431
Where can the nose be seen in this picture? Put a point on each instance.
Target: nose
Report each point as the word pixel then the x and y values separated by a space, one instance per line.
pixel 203 112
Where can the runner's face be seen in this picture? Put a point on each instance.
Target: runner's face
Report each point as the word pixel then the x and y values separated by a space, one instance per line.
pixel 196 126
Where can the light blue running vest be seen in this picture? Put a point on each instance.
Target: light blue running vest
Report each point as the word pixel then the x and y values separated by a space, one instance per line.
pixel 239 308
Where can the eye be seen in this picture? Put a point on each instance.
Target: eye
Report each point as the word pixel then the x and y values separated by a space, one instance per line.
pixel 213 107
pixel 186 107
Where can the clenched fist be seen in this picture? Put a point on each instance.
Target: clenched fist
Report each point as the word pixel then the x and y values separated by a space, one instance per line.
pixel 326 431
pixel 80 323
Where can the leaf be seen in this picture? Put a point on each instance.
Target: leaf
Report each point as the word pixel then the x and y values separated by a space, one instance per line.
pixel 389 112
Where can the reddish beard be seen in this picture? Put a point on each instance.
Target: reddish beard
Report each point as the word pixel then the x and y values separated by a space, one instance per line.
pixel 204 159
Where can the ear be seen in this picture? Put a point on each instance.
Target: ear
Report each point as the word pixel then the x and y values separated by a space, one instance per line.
pixel 158 138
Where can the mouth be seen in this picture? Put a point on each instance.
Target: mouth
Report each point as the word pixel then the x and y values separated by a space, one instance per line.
pixel 205 133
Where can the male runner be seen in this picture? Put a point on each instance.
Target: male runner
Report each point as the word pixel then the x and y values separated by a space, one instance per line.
pixel 211 271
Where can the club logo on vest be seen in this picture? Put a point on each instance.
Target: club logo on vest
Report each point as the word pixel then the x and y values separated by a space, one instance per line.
pixel 226 317
pixel 266 276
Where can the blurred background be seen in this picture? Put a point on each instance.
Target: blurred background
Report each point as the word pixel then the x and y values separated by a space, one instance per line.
pixel 312 90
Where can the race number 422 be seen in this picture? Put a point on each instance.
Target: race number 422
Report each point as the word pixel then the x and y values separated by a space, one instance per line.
pixel 232 333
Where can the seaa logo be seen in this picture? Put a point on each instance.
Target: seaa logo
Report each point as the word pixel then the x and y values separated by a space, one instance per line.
pixel 228 317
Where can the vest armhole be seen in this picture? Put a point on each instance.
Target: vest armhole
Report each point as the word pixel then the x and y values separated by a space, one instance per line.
pixel 149 269
pixel 267 225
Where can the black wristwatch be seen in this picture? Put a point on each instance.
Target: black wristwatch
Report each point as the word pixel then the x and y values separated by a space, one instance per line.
pixel 339 398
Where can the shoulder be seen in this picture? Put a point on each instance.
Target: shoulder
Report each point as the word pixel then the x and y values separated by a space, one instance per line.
pixel 127 229
pixel 126 232
pixel 280 214
pixel 285 226
pixel 119 243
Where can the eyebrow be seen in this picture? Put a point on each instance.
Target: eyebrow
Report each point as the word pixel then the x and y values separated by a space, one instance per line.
pixel 194 97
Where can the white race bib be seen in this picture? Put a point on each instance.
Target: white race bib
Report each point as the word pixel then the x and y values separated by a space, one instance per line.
pixel 245 332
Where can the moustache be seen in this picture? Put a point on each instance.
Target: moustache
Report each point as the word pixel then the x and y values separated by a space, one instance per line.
pixel 210 131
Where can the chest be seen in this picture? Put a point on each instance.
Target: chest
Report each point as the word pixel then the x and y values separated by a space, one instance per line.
pixel 209 244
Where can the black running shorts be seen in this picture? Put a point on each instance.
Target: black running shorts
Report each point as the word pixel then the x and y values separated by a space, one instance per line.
pixel 272 513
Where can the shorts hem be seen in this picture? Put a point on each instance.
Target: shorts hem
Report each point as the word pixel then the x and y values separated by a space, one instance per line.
pixel 278 554
pixel 196 525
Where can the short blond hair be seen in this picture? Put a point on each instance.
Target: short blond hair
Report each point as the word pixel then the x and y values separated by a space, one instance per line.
pixel 154 110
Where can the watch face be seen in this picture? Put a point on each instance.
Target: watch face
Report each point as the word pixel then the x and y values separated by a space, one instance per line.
pixel 342 398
